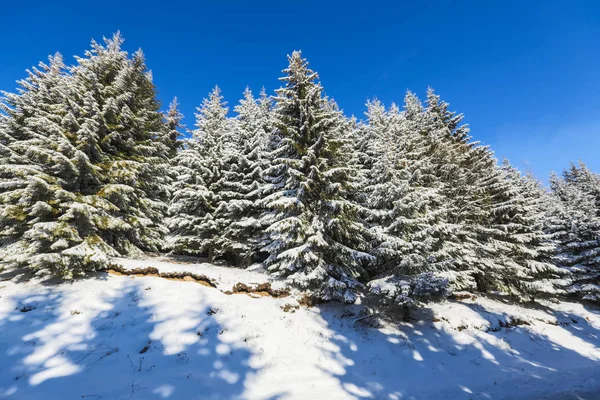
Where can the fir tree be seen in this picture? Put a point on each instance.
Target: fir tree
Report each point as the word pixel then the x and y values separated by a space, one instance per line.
pixel 38 169
pixel 191 201
pixel 442 208
pixel 90 139
pixel 316 239
pixel 368 147
pixel 573 222
pixel 173 123
pixel 495 239
pixel 202 183
pixel 518 247
pixel 240 209
pixel 120 129
pixel 406 207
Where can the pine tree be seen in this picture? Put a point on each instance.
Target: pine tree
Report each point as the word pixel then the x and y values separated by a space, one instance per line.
pixel 38 168
pixel 573 222
pixel 407 208
pixel 495 240
pixel 384 182
pixel 191 201
pixel 586 180
pixel 368 147
pixel 316 239
pixel 172 136
pixel 90 139
pixel 202 183
pixel 445 209
pixel 120 129
pixel 518 249
pixel 240 208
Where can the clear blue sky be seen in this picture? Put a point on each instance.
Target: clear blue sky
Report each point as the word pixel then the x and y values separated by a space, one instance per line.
pixel 526 74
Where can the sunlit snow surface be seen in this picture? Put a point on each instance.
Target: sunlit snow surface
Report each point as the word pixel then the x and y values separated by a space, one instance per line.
pixel 118 337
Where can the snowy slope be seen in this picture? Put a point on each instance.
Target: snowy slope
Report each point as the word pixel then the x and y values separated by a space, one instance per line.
pixel 124 337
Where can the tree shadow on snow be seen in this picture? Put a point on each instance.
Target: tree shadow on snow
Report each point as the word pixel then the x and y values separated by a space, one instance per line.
pixel 118 341
pixel 425 359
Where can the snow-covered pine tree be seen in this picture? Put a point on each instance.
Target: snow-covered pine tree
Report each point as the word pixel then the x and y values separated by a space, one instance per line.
pixel 493 237
pixel 316 239
pixel 92 139
pixel 442 207
pixel 367 139
pixel 406 207
pixel 172 136
pixel 39 165
pixel 240 207
pixel 457 168
pixel 120 129
pixel 382 182
pixel 586 180
pixel 573 222
pixel 191 201
pixel 518 248
pixel 204 169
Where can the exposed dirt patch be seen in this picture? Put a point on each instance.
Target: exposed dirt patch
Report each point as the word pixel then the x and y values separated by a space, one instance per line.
pixel 511 323
pixel 289 308
pixel 154 272
pixel 139 272
pixel 308 301
pixel 180 259
pixel 254 291
pixel 463 296
pixel 260 290
pixel 189 278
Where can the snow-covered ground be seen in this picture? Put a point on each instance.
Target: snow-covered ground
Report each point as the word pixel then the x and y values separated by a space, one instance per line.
pixel 133 337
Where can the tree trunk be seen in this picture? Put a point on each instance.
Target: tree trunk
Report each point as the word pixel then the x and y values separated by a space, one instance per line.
pixel 481 284
pixel 406 316
pixel 242 261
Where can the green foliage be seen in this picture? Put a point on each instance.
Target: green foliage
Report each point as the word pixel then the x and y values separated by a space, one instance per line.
pixel 83 172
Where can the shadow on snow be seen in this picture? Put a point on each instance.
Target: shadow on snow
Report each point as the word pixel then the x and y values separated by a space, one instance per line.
pixel 107 342
pixel 422 361
pixel 126 341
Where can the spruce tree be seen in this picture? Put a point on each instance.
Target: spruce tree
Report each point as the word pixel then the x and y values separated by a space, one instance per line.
pixel 191 201
pixel 368 147
pixel 120 130
pixel 573 222
pixel 519 250
pixel 38 169
pixel 172 135
pixel 445 208
pixel 496 240
pixel 239 208
pixel 407 208
pixel 87 144
pixel 316 240
pixel 203 169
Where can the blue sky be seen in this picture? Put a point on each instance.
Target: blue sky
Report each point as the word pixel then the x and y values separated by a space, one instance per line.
pixel 526 74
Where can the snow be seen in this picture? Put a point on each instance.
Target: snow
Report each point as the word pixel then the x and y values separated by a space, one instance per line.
pixel 132 337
